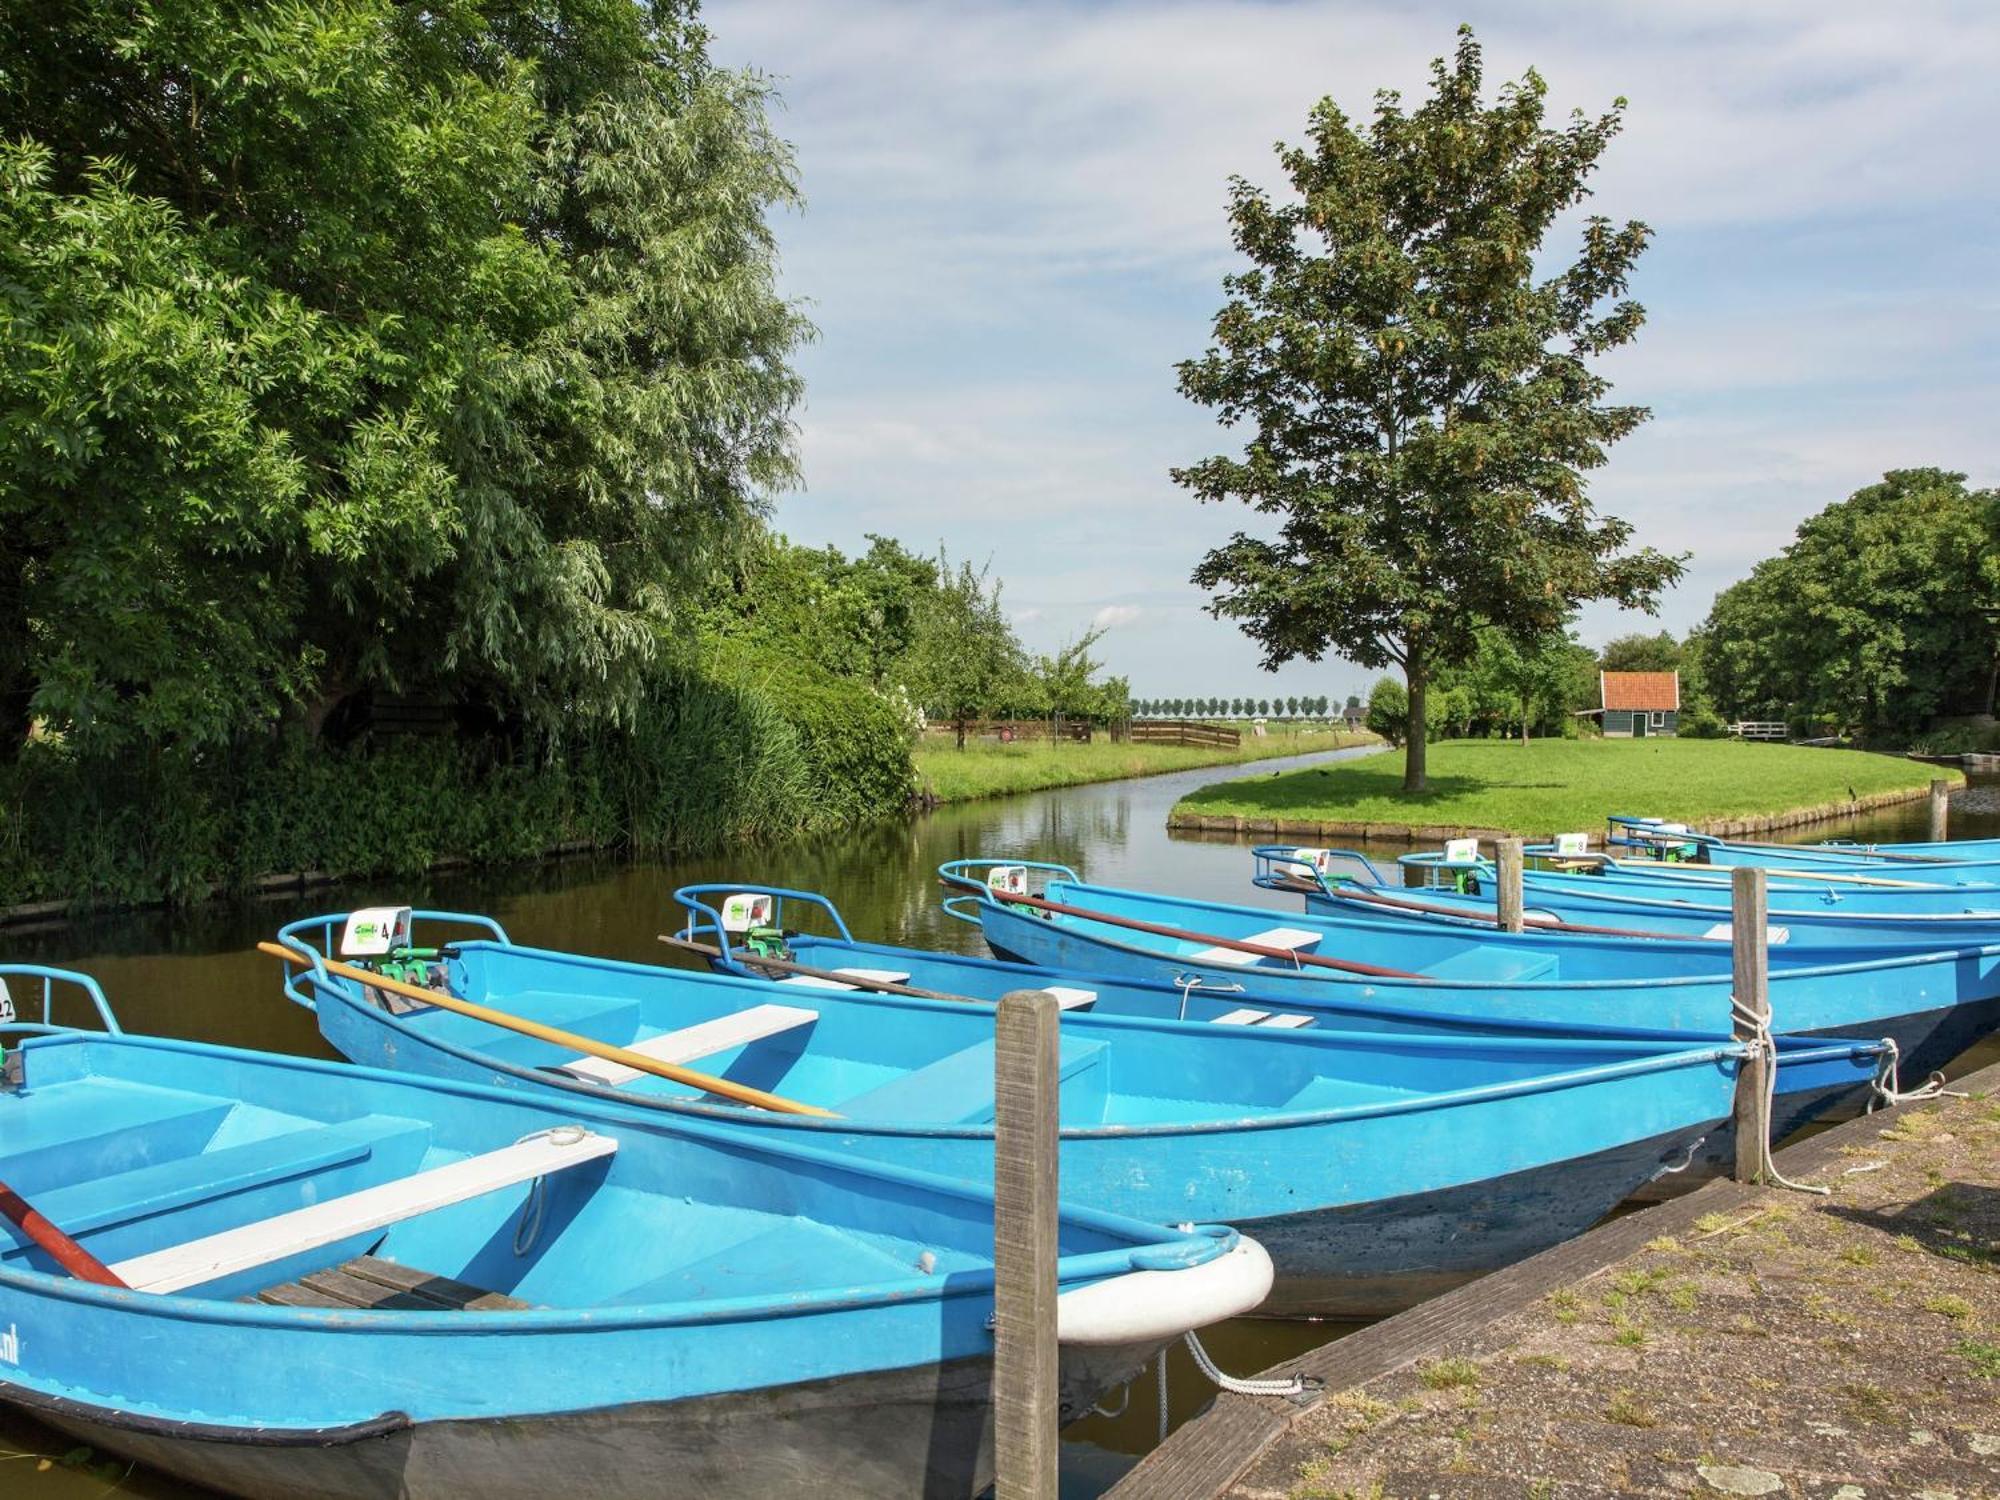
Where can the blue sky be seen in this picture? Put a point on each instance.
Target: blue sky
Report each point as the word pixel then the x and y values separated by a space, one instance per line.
pixel 1014 228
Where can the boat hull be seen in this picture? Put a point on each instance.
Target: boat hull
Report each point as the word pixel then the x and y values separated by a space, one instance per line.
pixel 919 1431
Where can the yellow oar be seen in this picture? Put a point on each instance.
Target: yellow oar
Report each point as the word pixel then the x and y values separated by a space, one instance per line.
pixel 708 1083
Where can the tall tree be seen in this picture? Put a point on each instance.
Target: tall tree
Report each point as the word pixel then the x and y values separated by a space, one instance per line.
pixel 369 344
pixel 1422 403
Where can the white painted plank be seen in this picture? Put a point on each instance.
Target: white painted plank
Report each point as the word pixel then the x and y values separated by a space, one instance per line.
pixel 814 982
pixel 880 976
pixel 1292 939
pixel 1290 1021
pixel 1069 998
pixel 703 1039
pixel 1244 1017
pixel 272 1239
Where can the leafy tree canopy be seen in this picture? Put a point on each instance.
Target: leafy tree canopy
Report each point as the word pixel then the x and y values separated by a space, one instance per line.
pixel 1881 614
pixel 1421 403
pixel 1641 653
pixel 362 343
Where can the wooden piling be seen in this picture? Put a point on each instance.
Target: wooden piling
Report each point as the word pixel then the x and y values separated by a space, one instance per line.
pixel 1940 806
pixel 1510 885
pixel 1751 987
pixel 1026 1076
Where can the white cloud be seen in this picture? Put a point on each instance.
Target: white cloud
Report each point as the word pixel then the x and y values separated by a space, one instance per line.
pixel 1113 615
pixel 1015 228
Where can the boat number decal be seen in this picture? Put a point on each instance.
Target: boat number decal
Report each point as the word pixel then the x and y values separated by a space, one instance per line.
pixel 10 1346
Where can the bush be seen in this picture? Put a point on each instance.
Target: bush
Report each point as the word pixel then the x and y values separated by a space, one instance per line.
pixel 713 756
pixel 1389 710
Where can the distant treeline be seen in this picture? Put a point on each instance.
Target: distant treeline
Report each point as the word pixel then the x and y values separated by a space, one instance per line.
pixel 1881 620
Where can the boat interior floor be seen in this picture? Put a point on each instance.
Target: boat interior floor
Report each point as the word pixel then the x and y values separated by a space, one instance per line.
pixel 369 1282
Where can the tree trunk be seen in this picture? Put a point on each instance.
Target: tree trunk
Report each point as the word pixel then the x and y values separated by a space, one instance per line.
pixel 1524 721
pixel 1416 732
pixel 961 731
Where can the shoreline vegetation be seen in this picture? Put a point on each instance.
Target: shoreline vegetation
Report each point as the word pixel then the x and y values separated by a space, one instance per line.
pixel 987 768
pixel 1498 787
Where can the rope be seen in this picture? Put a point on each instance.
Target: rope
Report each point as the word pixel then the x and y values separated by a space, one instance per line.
pixel 1292 1387
pixel 529 1229
pixel 1762 1044
pixel 1888 1086
pixel 1161 1366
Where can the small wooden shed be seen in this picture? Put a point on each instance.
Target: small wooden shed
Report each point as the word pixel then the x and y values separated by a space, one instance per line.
pixel 1637 704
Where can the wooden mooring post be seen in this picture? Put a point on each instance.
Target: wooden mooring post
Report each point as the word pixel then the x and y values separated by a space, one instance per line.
pixel 1940 808
pixel 1510 885
pixel 1026 1078
pixel 1749 938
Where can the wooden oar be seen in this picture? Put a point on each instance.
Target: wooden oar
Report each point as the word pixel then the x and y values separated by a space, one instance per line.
pixel 850 981
pixel 1346 966
pixel 67 1253
pixel 708 1083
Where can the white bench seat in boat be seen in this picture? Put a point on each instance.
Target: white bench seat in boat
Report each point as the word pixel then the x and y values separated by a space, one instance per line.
pixel 1243 1017
pixel 703 1039
pixel 1069 998
pixel 283 1235
pixel 1292 939
pixel 1289 1021
pixel 820 982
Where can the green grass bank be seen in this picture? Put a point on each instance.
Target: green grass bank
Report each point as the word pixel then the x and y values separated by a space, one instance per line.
pixel 986 768
pixel 1552 786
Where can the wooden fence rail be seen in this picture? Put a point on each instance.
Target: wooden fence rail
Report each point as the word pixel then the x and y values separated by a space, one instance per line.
pixel 1183 732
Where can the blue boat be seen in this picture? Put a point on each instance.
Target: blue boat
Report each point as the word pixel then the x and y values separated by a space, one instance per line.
pixel 1566 865
pixel 338 1283
pixel 1462 892
pixel 1375 1168
pixel 1932 1006
pixel 1814 1080
pixel 1667 842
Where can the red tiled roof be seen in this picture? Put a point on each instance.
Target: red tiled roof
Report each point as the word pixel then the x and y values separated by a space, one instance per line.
pixel 1640 690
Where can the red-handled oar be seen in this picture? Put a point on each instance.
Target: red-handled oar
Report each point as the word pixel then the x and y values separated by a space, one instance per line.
pixel 68 1254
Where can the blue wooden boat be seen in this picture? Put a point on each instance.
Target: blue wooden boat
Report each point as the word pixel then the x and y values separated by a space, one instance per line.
pixel 347 1283
pixel 1667 842
pixel 1560 866
pixel 1342 881
pixel 1932 1006
pixel 1375 1168
pixel 1814 1080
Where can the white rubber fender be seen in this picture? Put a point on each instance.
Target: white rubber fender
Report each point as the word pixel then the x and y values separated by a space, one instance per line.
pixel 1143 1306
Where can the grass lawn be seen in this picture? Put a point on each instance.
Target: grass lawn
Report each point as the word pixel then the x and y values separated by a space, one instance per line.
pixel 1555 786
pixel 986 768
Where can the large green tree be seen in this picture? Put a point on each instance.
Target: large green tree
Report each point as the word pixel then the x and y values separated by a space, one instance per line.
pixel 357 343
pixel 1880 615
pixel 1419 388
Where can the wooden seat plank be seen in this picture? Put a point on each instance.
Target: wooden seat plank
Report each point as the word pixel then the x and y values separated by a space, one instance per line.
pixel 1292 939
pixel 703 1039
pixel 251 1245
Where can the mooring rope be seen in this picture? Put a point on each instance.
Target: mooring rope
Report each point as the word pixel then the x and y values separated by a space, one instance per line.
pixel 1292 1387
pixel 1763 1044
pixel 1888 1087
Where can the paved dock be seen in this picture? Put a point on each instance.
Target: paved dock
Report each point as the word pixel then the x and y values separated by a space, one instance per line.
pixel 1738 1341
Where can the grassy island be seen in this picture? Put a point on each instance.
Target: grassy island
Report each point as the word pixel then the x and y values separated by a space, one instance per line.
pixel 1549 786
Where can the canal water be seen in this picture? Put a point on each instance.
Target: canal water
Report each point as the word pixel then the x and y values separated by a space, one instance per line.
pixel 195 975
